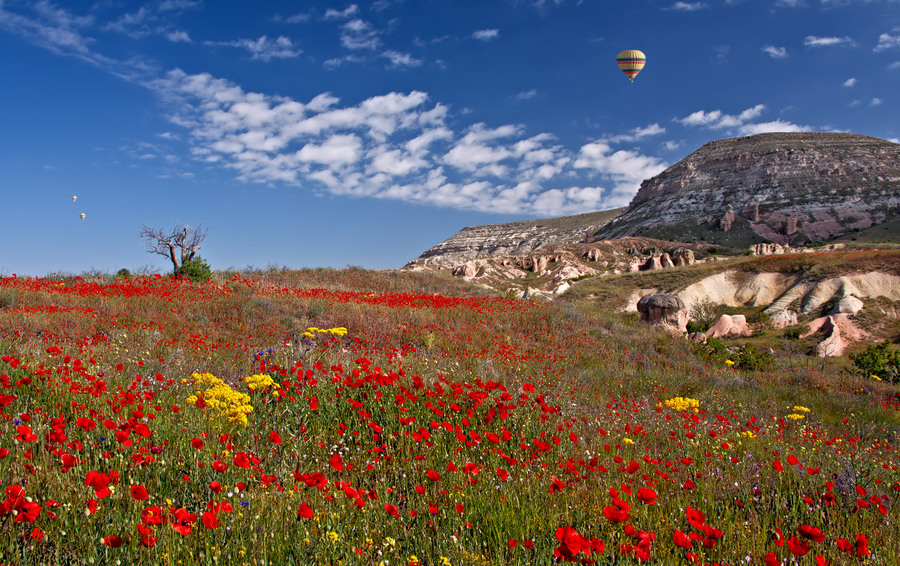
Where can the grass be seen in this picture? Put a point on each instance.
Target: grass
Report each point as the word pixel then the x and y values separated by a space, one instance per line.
pixel 445 427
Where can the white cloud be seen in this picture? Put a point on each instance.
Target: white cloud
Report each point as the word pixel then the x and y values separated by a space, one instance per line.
pixel 875 102
pixel 687 6
pixel 397 146
pixel 813 41
pixel 50 27
pixel 264 48
pixel 358 34
pixel 775 52
pixel 401 60
pixel 894 66
pixel 774 126
pixel 486 34
pixel 351 11
pixel 850 82
pixel 887 41
pixel 526 95
pixel 178 36
pixel 741 123
pixel 638 133
pixel 626 168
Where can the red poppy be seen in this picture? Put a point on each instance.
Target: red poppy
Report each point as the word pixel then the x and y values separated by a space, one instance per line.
pixel 241 460
pixel 812 533
pixel 861 546
pixel 681 539
pixel 502 474
pixel 274 437
pixel 112 541
pixel 336 462
pixel 219 466
pixel 798 547
pixel 139 492
pixel 99 481
pixel 771 560
pixel 392 510
pixel 695 517
pixel 647 495
pixel 210 520
pixel 305 511
pixel 215 486
pixel 432 475
pixel 197 443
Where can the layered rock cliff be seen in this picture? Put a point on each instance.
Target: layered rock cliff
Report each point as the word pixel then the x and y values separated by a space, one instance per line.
pixel 780 187
pixel 513 238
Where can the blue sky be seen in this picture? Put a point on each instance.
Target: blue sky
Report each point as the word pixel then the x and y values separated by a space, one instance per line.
pixel 309 134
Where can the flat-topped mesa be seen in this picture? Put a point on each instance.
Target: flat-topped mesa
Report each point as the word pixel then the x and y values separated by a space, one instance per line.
pixel 513 238
pixel 787 187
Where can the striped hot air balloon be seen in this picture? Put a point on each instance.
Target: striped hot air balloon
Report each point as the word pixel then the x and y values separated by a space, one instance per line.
pixel 631 61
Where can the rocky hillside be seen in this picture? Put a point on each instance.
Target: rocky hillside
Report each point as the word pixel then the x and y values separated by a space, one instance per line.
pixel 513 238
pixel 787 188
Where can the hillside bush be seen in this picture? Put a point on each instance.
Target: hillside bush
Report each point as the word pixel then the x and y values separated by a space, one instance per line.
pixel 196 269
pixel 878 360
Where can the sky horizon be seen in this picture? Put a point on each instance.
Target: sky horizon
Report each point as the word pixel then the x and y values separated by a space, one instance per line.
pixel 327 134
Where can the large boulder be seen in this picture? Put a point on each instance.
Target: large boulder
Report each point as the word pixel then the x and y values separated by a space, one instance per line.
pixel 729 325
pixel 783 319
pixel 665 310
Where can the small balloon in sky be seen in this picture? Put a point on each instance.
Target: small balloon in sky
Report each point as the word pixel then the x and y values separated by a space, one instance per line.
pixel 74 198
pixel 81 215
pixel 631 61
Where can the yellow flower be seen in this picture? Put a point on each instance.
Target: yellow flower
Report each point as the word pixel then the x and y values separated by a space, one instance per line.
pixel 729 363
pixel 799 409
pixel 628 441
pixel 682 404
pixel 332 536
pixel 795 416
pixel 876 378
pixel 445 561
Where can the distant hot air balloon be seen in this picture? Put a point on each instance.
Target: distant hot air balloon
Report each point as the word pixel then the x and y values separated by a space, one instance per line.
pixel 74 198
pixel 81 215
pixel 631 61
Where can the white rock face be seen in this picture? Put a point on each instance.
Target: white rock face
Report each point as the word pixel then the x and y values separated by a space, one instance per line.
pixel 848 305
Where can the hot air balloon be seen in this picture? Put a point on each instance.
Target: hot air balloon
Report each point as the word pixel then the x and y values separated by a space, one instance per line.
pixel 74 198
pixel 631 61
pixel 81 215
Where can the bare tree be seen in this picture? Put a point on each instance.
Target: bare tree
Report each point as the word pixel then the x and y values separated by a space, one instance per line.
pixel 179 245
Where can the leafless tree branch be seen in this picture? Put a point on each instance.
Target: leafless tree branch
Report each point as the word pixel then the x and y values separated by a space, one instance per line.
pixel 178 245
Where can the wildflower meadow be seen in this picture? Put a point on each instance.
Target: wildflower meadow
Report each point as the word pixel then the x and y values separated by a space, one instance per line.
pixel 354 419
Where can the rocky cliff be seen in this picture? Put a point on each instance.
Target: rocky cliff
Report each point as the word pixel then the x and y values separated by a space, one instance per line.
pixel 780 187
pixel 513 238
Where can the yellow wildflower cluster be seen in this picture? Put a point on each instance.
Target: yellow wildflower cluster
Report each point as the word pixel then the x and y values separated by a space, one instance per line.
pixel 799 413
pixel 260 381
pixel 229 403
pixel 312 331
pixel 682 404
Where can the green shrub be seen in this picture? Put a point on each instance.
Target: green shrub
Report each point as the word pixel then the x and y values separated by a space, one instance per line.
pixel 195 269
pixel 751 358
pixel 123 273
pixel 792 333
pixel 879 360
